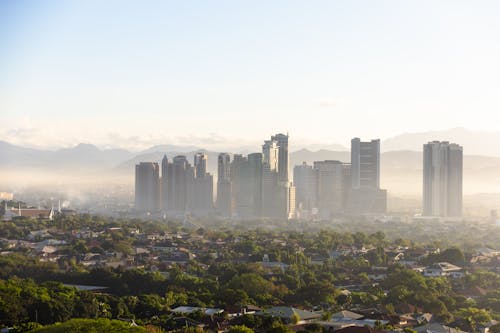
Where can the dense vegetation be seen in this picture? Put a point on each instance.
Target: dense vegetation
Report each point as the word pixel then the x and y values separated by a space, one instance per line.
pixel 227 271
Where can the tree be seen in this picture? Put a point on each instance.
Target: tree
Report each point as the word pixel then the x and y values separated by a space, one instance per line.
pixel 252 284
pixel 90 326
pixel 240 329
pixel 279 328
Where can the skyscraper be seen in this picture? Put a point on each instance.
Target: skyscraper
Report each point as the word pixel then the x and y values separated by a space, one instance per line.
pixel 270 153
pixel 224 185
pixel 238 200
pixel 365 195
pixel 255 164
pixel 147 187
pixel 201 192
pixel 305 179
pixel 443 169
pixel 282 143
pixel 178 184
pixel 275 182
pixel 164 182
pixel 200 164
pixel 330 187
pixel 365 163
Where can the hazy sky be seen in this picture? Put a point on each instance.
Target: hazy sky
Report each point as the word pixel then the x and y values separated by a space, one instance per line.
pixel 138 73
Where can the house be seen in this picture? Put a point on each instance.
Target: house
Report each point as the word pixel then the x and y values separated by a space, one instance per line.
pixel 359 329
pixel 443 269
pixel 193 309
pixel 346 315
pixel 235 311
pixel 436 328
pixel 287 314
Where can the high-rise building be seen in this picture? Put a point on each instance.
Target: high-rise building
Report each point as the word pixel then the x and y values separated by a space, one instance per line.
pixel 201 190
pixel 305 179
pixel 282 143
pixel 178 184
pixel 164 182
pixel 443 169
pixel 200 164
pixel 365 195
pixel 270 153
pixel 255 164
pixel 275 183
pixel 224 185
pixel 365 163
pixel 237 169
pixel 147 187
pixel 330 187
pixel 202 195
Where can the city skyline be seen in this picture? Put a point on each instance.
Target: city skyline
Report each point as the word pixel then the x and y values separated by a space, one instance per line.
pixel 258 185
pixel 160 73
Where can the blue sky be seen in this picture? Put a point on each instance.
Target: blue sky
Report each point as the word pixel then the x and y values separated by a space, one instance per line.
pixel 137 73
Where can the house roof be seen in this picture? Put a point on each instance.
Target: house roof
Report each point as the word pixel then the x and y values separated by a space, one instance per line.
pixel 359 329
pixel 191 309
pixel 437 328
pixel 288 312
pixel 444 266
pixel 347 315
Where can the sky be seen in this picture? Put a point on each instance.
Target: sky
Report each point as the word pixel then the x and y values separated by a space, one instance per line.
pixel 133 74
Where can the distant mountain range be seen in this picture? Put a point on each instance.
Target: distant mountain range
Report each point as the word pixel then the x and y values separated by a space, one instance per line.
pixel 401 169
pixel 474 142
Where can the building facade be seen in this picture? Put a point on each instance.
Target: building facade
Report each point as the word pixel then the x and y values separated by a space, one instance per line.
pixel 147 187
pixel 442 186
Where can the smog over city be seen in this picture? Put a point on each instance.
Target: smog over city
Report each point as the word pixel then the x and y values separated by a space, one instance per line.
pixel 236 166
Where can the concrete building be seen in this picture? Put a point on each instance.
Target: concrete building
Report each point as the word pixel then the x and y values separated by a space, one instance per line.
pixel 330 187
pixel 270 151
pixel 275 182
pixel 305 179
pixel 365 163
pixel 255 164
pixel 147 187
pixel 283 166
pixel 178 184
pixel 365 196
pixel 200 187
pixel 200 164
pixel 223 203
pixel 164 184
pixel 442 187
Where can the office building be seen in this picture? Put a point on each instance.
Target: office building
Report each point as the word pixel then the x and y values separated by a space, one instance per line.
pixel 164 181
pixel 223 203
pixel 305 179
pixel 178 184
pixel 255 165
pixel 200 187
pixel 365 196
pixel 147 187
pixel 442 185
pixel 281 141
pixel 365 163
pixel 331 187
pixel 200 164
